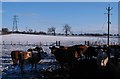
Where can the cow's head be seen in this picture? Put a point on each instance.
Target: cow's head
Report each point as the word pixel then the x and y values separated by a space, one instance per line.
pixel 39 49
pixel 30 50
pixel 80 48
pixel 53 49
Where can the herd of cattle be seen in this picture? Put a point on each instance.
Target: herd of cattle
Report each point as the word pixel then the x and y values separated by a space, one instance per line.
pixel 67 56
pixel 31 56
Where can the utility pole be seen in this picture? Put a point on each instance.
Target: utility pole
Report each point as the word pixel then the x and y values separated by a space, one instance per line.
pixel 108 9
pixel 15 28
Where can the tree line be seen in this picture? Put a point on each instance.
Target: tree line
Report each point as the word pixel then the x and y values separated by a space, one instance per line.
pixel 52 31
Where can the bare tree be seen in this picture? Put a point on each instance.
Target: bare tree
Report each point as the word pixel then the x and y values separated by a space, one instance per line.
pixel 30 30
pixel 52 30
pixel 67 29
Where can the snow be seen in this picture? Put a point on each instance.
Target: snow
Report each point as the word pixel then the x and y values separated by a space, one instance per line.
pixel 24 41
pixel 47 39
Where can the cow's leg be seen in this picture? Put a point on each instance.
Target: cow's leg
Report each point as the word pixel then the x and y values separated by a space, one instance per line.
pixel 22 66
pixel 35 67
pixel 66 70
pixel 32 66
pixel 62 66
pixel 15 62
pixel 14 59
pixel 21 62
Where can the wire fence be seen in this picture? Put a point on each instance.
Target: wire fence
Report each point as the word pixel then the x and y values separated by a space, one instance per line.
pixel 57 43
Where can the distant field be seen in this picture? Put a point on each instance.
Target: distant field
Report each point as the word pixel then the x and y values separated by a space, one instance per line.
pixel 46 39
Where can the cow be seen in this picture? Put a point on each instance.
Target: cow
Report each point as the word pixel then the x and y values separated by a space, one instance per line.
pixel 64 55
pixel 30 57
pixel 102 58
pixel 100 53
pixel 85 51
pixel 80 49
pixel 36 56
pixel 114 50
pixel 90 52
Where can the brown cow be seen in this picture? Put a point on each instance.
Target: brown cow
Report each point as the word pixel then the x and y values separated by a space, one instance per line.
pixel 66 56
pixel 20 57
pixel 81 49
pixel 17 54
pixel 86 51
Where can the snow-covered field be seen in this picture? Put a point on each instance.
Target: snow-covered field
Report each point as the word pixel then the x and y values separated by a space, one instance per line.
pixel 24 41
pixel 46 39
